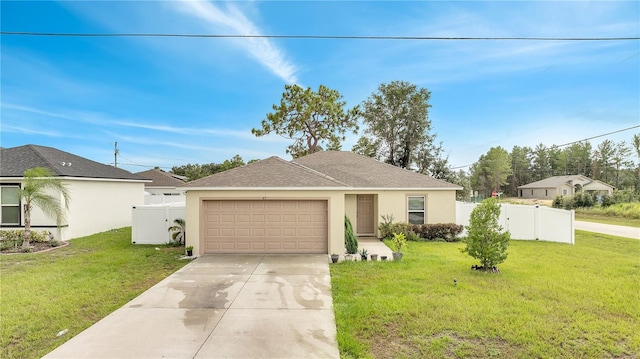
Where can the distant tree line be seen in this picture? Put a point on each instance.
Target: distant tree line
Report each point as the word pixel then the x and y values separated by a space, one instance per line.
pixel 195 171
pixel 617 164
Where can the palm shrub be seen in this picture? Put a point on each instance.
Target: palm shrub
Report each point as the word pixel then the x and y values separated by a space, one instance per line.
pixel 38 182
pixel 178 231
pixel 350 241
pixel 398 242
pixel 486 239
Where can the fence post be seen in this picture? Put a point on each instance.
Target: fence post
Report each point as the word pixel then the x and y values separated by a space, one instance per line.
pixel 536 222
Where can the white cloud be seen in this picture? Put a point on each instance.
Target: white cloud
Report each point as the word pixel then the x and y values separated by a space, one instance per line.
pixel 232 19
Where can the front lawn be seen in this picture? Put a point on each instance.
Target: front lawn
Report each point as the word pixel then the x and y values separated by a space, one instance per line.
pixel 73 287
pixel 550 300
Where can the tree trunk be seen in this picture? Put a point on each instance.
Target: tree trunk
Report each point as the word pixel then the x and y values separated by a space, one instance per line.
pixel 27 227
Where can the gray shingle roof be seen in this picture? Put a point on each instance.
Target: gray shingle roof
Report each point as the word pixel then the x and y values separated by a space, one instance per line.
pixel 270 172
pixel 322 169
pixel 159 178
pixel 555 181
pixel 365 172
pixel 15 160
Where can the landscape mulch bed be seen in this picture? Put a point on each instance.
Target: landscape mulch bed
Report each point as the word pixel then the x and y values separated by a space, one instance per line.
pixel 35 248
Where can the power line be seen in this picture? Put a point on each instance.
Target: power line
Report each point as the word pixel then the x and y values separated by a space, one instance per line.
pixel 315 37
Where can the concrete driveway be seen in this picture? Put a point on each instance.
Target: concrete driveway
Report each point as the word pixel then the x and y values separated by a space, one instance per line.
pixel 222 306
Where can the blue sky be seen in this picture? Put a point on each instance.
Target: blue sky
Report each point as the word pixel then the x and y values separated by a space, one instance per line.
pixel 172 101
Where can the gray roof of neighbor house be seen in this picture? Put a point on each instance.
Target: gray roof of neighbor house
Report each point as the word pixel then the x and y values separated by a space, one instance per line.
pixel 15 160
pixel 328 169
pixel 556 181
pixel 160 178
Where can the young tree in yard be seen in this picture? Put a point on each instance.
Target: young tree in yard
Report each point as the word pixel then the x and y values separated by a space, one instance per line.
pixel 35 191
pixel 486 241
pixel 397 123
pixel 313 119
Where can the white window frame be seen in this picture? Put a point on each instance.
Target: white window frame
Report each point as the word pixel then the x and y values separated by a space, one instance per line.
pixel 423 210
pixel 6 205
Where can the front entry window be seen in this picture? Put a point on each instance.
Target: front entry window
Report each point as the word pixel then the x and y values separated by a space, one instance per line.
pixel 416 209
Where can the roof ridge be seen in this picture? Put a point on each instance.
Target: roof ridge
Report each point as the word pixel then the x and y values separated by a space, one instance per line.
pixel 36 149
pixel 316 172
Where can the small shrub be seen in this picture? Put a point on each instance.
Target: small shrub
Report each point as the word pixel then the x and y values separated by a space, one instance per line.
pixel 18 235
pixel 54 243
pixel 486 240
pixel 557 202
pixel 350 240
pixel 398 242
pixel 582 200
pixel 606 201
pixel 439 231
pixel 384 228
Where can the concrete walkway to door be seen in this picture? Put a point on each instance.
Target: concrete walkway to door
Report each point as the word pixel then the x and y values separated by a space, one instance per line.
pixel 222 306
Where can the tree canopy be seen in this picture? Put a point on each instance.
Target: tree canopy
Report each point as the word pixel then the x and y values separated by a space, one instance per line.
pixel 397 123
pixel 315 120
pixel 195 171
pixel 491 171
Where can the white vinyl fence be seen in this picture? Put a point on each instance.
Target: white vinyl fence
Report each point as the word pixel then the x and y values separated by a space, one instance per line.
pixel 528 222
pixel 163 199
pixel 149 224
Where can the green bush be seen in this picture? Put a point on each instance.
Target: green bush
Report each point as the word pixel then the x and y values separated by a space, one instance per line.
pixel 625 196
pixel 582 200
pixel 486 239
pixel 398 242
pixel 350 240
pixel 606 201
pixel 18 235
pixel 384 228
pixel 442 231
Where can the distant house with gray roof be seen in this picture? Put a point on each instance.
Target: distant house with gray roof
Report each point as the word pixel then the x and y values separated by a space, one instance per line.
pixel 162 183
pixel 550 188
pixel 102 196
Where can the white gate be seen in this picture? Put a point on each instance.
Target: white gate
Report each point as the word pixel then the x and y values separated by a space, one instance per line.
pixel 528 222
pixel 149 224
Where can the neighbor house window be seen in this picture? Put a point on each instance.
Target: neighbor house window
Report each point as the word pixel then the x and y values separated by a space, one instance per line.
pixel 10 209
pixel 416 210
pixel 564 192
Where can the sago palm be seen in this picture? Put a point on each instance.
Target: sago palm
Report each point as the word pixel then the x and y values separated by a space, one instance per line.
pixel 178 231
pixel 36 190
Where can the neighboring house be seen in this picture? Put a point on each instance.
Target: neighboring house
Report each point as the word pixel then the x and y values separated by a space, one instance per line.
pixel 162 183
pixel 550 188
pixel 277 206
pixel 101 196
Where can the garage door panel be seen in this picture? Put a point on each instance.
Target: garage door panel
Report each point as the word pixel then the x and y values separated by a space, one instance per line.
pixel 255 226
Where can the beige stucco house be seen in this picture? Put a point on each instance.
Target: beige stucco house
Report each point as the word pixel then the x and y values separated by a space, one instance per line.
pixel 550 188
pixel 278 206
pixel 101 196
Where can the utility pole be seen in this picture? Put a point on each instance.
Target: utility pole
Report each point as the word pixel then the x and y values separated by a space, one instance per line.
pixel 115 155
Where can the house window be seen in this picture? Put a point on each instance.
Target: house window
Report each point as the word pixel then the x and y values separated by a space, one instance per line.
pixel 564 192
pixel 546 193
pixel 532 192
pixel 10 205
pixel 415 209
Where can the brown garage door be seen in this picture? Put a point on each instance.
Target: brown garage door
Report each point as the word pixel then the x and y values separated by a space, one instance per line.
pixel 265 226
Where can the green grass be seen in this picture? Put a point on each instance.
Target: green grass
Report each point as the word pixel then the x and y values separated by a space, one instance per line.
pixel 549 301
pixel 618 221
pixel 74 287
